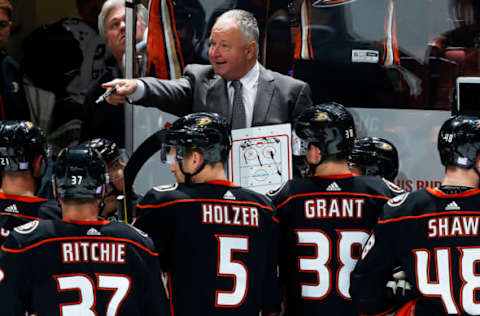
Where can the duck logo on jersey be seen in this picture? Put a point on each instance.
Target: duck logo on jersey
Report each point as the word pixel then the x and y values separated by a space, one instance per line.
pixel 399 199
pixel 330 3
pixel 27 228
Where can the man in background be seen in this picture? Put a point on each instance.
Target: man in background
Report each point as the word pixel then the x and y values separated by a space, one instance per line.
pixel 234 85
pixel 13 103
pixel 104 120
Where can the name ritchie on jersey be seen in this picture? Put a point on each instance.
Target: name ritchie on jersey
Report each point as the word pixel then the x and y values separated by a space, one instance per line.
pixel 454 226
pixel 333 208
pixel 235 215
pixel 93 251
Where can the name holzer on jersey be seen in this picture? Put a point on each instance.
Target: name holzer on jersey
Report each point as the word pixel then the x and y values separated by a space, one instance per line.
pixel 235 215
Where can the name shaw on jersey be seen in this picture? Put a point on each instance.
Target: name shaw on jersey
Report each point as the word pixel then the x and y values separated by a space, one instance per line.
pixel 453 226
pixel 334 208
pixel 234 215
pixel 93 251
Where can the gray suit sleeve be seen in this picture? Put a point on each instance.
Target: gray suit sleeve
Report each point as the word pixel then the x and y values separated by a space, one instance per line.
pixel 303 100
pixel 172 96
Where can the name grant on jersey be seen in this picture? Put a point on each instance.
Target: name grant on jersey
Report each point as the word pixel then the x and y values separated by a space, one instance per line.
pixel 93 251
pixel 454 226
pixel 334 208
pixel 235 215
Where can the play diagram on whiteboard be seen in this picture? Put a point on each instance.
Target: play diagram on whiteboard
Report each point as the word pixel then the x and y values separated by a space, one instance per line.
pixel 260 157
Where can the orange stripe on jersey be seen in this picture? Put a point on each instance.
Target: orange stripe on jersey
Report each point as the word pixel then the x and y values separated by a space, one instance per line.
pixel 332 193
pixel 222 182
pixel 275 219
pixel 21 198
pixel 101 238
pixel 398 219
pixel 103 222
pixel 408 309
pixel 440 194
pixel 20 215
pixel 171 294
pixel 334 176
pixel 204 200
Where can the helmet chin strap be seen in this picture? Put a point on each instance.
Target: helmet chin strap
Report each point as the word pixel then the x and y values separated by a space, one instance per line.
pixel 188 176
pixel 313 166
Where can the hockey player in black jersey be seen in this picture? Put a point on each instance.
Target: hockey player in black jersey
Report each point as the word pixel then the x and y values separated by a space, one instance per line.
pixel 217 241
pixel 374 156
pixel 22 161
pixel 80 265
pixel 433 234
pixel 116 160
pixel 325 218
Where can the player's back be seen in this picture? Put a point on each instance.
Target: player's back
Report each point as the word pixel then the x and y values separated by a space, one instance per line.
pixel 324 223
pixel 16 210
pixel 218 242
pixel 81 268
pixel 435 236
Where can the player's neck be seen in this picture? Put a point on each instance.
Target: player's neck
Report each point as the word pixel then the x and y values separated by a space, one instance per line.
pixel 80 211
pixel 330 168
pixel 23 185
pixel 460 177
pixel 210 174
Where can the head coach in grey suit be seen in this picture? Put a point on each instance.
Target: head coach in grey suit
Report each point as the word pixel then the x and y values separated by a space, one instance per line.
pixel 234 81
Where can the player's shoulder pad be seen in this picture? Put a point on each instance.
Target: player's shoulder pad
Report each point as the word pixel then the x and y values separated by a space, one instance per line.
pixel 30 233
pixel 406 204
pixel 128 231
pixel 393 187
pixel 161 194
pixel 50 210
pixel 253 196
pixel 280 194
pixel 375 186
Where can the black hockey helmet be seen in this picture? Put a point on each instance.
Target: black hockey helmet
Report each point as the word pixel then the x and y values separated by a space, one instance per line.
pixel 80 172
pixel 108 149
pixel 459 141
pixel 20 143
pixel 207 132
pixel 375 156
pixel 329 126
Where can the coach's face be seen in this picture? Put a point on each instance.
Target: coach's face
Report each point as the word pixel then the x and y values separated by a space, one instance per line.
pixel 231 56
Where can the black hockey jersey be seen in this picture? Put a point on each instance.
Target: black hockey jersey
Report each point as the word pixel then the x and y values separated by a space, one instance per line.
pixel 218 243
pixel 16 210
pixel 434 237
pixel 92 268
pixel 324 222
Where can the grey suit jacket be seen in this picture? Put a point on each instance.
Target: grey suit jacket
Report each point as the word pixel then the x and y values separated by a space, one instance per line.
pixel 279 98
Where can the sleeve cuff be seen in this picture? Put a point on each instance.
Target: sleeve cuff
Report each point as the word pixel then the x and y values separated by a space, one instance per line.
pixel 139 92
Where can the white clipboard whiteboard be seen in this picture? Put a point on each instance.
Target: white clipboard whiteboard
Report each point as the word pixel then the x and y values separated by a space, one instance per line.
pixel 260 158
